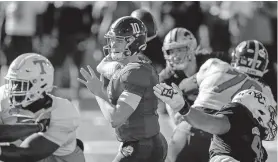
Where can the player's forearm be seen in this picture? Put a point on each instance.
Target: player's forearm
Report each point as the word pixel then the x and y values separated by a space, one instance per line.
pixel 18 154
pixel 108 67
pixel 189 85
pixel 117 115
pixel 105 106
pixel 209 123
pixel 10 133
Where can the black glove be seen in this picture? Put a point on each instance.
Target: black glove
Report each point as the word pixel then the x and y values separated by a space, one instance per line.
pixel 43 121
pixel 43 124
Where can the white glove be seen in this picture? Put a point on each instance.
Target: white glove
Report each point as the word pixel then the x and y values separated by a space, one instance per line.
pixel 170 95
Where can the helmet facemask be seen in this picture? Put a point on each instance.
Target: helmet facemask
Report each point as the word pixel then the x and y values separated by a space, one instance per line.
pixel 122 49
pixel 24 92
pixel 250 57
pixel 178 58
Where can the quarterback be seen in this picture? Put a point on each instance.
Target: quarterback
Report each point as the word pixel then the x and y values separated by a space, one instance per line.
pixel 184 59
pixel 130 104
pixel 25 96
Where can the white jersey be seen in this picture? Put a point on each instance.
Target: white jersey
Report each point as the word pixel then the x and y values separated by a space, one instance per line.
pixel 219 83
pixel 63 124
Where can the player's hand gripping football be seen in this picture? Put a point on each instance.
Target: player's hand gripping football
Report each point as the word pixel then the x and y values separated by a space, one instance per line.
pixel 170 95
pixel 91 80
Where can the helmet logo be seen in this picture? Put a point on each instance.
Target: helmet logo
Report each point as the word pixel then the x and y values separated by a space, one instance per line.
pixel 41 62
pixel 262 53
pixel 241 46
pixel 135 28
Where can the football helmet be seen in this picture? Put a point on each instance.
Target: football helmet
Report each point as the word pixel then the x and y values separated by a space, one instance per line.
pixel 178 38
pixel 250 57
pixel 127 36
pixel 29 76
pixel 147 18
pixel 259 105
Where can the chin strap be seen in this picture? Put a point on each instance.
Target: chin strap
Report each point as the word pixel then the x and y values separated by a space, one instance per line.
pixel 42 103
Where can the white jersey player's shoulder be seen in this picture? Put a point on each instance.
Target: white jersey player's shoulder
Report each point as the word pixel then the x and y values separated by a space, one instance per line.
pixel 64 122
pixel 63 109
pixel 211 66
pixel 267 91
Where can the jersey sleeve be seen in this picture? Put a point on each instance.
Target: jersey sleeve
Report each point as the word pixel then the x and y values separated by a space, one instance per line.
pixel 59 131
pixel 136 79
pixel 237 116
pixel 210 67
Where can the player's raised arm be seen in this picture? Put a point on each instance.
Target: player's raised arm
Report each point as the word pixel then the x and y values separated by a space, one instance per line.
pixel 198 119
pixel 13 132
pixel 37 148
pixel 128 101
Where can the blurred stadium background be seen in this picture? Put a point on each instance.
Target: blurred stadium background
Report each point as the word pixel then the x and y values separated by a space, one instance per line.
pixel 71 34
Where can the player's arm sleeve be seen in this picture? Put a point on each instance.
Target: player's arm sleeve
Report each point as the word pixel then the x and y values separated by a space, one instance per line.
pixel 209 123
pixel 210 67
pixel 33 148
pixel 135 82
pixel 236 116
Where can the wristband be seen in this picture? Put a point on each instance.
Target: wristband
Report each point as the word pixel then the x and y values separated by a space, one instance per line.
pixel 185 109
pixel 41 127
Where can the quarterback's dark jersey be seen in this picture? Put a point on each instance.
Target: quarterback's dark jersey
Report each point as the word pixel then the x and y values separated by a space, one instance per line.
pixel 137 78
pixel 243 141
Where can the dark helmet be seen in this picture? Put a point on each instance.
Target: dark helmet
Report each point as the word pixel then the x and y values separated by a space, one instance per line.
pixel 128 29
pixel 250 57
pixel 147 18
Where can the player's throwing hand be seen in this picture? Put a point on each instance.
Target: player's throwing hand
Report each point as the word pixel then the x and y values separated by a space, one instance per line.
pixel 91 80
pixel 170 95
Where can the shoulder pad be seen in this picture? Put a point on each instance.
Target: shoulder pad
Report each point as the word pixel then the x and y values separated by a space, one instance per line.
pixel 210 67
pixel 267 91
pixel 137 74
pixel 60 106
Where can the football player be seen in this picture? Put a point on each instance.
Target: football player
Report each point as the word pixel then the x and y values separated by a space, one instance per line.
pixel 107 66
pixel 218 83
pixel 238 128
pixel 184 59
pixel 28 83
pixel 130 104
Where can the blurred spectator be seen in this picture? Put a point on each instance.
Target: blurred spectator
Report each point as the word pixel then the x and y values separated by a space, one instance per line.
pixel 115 10
pixel 20 27
pixel 216 29
pixel 71 26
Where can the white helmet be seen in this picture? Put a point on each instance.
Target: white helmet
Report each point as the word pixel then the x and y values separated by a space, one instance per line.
pixel 29 76
pixel 259 105
pixel 178 38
